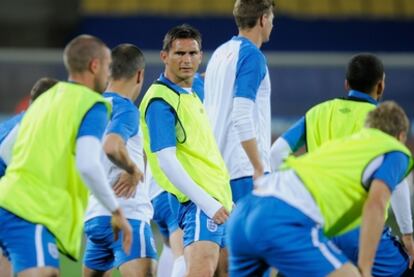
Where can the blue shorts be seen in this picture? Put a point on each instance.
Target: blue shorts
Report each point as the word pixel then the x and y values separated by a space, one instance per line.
pixel 164 214
pixel 241 187
pixel 390 259
pixel 27 245
pixel 197 226
pixel 266 231
pixel 103 253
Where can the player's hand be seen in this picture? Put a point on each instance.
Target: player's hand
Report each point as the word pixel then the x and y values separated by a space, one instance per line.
pixel 221 216
pixel 120 223
pixel 409 247
pixel 127 183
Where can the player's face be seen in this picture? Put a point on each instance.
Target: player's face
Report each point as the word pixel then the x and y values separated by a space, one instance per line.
pixel 102 75
pixel 267 25
pixel 182 61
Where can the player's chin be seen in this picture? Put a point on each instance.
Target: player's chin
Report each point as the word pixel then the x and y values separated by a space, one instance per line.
pixel 187 73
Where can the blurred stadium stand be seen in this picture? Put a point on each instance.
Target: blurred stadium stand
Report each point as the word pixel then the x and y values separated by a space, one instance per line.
pixel 307 54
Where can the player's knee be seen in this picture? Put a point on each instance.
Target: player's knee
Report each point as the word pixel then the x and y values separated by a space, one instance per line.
pixel 346 269
pixel 44 271
pixel 201 271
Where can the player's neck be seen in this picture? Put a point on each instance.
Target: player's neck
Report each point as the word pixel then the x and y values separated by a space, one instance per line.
pixel 123 89
pixel 253 35
pixel 83 79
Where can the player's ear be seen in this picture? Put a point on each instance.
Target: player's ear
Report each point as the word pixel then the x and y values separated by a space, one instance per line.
pixel 402 137
pixel 163 56
pixel 346 85
pixel 140 76
pixel 380 87
pixel 94 65
pixel 262 20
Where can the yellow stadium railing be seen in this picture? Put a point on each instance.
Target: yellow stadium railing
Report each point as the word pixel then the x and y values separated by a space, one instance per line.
pixel 296 8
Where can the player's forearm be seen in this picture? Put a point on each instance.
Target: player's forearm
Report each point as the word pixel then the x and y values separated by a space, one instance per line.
pixel 279 151
pixel 242 117
pixel 115 149
pixel 177 175
pixel 251 149
pixel 88 149
pixel 373 218
pixel 401 205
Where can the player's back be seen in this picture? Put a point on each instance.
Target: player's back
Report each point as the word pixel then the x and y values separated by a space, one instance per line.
pixel 335 119
pixel 139 206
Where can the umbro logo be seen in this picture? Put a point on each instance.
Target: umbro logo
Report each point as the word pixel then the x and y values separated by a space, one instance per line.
pixel 345 110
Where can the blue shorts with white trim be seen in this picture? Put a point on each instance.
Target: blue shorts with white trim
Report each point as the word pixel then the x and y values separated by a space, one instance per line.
pixel 165 213
pixel 390 259
pixel 266 231
pixel 197 226
pixel 103 253
pixel 27 245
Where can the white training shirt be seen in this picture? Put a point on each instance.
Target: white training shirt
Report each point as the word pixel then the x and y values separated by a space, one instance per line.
pixel 138 207
pixel 237 69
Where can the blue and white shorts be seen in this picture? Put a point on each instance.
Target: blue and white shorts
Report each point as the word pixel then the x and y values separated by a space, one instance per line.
pixel 103 253
pixel 390 259
pixel 266 231
pixel 241 187
pixel 197 226
pixel 27 245
pixel 164 214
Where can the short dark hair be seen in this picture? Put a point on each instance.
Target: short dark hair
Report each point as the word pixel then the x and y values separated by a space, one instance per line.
pixel 80 51
pixel 388 117
pixel 247 12
pixel 181 32
pixel 127 59
pixel 364 72
pixel 42 85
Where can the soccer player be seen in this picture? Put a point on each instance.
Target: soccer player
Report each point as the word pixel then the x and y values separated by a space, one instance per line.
pixel 320 195
pixel 8 133
pixel 123 163
pixel 43 195
pixel 183 154
pixel 338 118
pixel 237 96
pixel 171 261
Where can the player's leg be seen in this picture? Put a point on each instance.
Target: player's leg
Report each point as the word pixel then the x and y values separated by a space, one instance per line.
pixel 176 238
pixel 165 262
pixel 201 258
pixel 5 265
pixel 223 264
pixel 98 259
pixel 141 259
pixel 346 270
pixel 31 247
pixel 166 221
pixel 202 240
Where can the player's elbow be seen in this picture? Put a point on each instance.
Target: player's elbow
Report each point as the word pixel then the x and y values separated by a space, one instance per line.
pixel 111 146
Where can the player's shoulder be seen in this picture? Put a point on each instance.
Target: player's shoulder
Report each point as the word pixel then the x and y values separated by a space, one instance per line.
pixel 8 125
pixel 120 103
